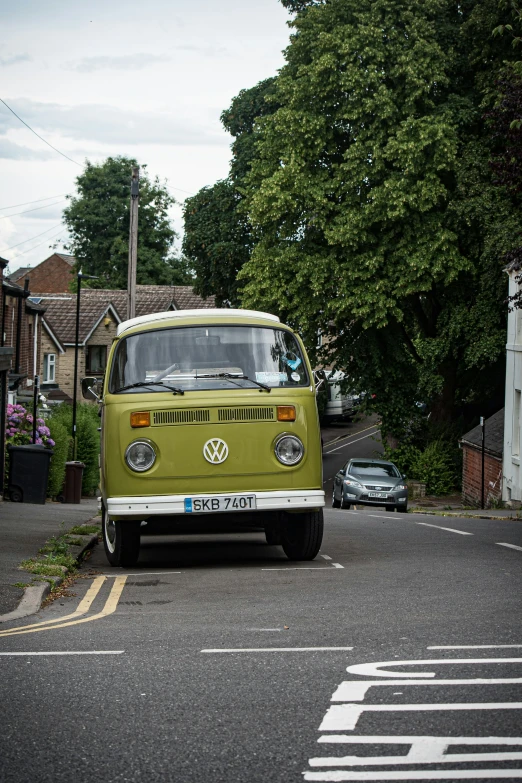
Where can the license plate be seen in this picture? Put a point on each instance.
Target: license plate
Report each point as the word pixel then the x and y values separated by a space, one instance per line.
pixel 215 504
pixel 377 495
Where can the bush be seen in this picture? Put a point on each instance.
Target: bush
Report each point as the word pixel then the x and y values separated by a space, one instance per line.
pixel 61 437
pixel 434 466
pixel 88 440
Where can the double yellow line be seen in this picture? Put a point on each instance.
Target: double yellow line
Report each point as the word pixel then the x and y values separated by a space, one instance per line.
pixel 83 607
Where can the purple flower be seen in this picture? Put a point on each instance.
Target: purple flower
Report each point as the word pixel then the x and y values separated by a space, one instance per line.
pixel 50 442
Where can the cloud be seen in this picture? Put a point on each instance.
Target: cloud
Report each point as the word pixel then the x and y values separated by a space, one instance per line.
pixel 127 62
pixel 208 51
pixel 14 59
pixel 11 151
pixel 111 125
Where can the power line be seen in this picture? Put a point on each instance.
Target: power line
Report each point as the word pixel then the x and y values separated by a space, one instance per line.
pixel 5 250
pixel 36 201
pixel 3 217
pixel 40 137
pixel 39 243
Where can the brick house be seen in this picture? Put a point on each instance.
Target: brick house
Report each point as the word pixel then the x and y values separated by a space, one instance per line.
pixel 20 329
pixel 471 444
pixel 100 313
pixel 52 276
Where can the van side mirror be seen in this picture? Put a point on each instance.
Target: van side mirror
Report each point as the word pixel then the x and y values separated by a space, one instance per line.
pixel 89 386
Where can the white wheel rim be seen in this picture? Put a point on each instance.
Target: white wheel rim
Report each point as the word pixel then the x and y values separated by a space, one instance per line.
pixel 109 532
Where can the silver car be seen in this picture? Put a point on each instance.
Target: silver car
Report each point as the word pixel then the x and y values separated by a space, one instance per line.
pixel 370 482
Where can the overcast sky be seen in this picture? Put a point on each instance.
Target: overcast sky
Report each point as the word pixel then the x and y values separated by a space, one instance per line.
pixel 107 77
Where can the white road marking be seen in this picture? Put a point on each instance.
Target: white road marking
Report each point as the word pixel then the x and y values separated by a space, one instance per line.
pixel 264 629
pixel 337 565
pixel 299 568
pixel 275 649
pixel 67 652
pixel 379 516
pixel 374 669
pixel 435 758
pixel 400 739
pixel 355 690
pixel 142 573
pixel 352 442
pixel 511 546
pixel 474 647
pixel 326 557
pixel 339 776
pixel 344 717
pixel 449 529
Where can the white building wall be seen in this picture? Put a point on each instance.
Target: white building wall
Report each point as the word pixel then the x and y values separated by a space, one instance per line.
pixel 512 475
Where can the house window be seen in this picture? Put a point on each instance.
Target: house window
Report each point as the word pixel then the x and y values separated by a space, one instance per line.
pixel 96 359
pixel 515 443
pixel 49 367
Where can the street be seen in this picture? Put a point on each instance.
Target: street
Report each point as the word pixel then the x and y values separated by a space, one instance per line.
pixel 216 658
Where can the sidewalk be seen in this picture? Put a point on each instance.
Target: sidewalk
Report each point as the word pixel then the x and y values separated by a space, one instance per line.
pixel 24 528
pixel 474 513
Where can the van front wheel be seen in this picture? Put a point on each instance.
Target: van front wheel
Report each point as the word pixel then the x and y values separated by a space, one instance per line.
pixel 121 541
pixel 302 534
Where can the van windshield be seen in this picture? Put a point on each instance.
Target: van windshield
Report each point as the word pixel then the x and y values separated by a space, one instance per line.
pixel 182 356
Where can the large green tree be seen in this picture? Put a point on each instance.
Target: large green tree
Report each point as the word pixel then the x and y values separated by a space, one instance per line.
pixel 98 222
pixel 375 213
pixel 218 236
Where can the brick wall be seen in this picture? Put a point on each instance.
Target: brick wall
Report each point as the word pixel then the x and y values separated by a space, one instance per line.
pixel 471 477
pixel 52 276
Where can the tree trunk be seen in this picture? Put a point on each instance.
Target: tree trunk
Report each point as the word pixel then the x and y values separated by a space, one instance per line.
pixel 443 408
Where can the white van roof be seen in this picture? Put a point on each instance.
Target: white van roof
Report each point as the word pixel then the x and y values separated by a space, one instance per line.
pixel 201 313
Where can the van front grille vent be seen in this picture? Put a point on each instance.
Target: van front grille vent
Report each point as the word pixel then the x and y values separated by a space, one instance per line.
pixel 197 416
pixel 246 414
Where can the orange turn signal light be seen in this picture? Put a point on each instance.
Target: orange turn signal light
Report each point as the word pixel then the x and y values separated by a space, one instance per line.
pixel 140 419
pixel 285 413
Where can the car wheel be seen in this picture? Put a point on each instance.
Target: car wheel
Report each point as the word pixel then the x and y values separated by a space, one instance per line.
pixel 390 508
pixel 335 503
pixel 402 509
pixel 121 541
pixel 345 505
pixel 302 534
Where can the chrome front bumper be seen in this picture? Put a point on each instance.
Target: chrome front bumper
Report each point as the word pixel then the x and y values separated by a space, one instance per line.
pixel 157 505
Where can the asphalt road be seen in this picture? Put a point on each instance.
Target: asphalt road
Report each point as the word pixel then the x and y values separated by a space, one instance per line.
pixel 215 659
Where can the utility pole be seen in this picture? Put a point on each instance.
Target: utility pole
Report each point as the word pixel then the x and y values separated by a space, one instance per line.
pixel 483 449
pixel 133 242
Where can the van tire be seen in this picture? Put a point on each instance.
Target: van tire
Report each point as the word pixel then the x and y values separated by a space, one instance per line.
pixel 302 534
pixel 121 541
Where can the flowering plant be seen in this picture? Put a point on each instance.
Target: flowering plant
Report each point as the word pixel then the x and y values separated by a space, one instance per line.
pixel 19 429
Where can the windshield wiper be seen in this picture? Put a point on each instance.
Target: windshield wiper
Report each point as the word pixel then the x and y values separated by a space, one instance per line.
pixel 149 384
pixel 231 377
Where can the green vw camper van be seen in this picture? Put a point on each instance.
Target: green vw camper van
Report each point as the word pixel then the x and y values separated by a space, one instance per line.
pixel 209 417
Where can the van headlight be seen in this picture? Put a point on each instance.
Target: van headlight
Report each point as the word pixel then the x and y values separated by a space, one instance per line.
pixel 140 456
pixel 289 450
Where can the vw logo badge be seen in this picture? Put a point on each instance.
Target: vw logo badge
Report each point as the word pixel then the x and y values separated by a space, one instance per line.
pixel 215 451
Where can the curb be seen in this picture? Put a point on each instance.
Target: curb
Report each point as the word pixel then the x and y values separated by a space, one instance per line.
pixel 35 595
pixel 463 516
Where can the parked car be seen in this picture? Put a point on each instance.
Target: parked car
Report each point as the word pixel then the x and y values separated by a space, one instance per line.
pixel 370 482
pixel 341 405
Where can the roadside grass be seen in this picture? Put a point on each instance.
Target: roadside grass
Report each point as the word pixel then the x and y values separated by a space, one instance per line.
pixel 80 530
pixel 54 558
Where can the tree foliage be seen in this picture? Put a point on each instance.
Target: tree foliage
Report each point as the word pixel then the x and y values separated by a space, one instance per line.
pixel 98 222
pixel 375 213
pixel 218 236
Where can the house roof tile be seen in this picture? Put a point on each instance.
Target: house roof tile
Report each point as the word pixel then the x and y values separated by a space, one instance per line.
pixel 494 441
pixel 61 308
